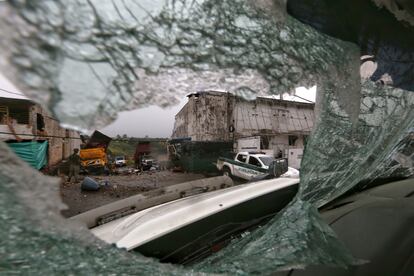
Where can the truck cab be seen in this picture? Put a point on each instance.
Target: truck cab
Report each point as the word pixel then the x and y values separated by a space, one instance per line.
pixel 249 165
pixel 259 159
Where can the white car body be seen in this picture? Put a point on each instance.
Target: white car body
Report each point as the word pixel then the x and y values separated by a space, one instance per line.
pixel 120 161
pixel 140 228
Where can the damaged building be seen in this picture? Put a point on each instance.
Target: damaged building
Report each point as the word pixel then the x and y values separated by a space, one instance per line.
pixel 31 131
pixel 276 125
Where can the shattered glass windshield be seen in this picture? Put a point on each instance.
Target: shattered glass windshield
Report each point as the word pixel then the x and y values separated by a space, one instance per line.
pixel 87 59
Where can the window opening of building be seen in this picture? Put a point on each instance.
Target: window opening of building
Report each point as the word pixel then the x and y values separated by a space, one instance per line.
pixel 292 140
pixel 40 122
pixel 4 114
pixel 19 113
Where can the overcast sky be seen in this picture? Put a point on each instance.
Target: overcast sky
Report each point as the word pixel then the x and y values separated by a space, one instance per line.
pixel 153 121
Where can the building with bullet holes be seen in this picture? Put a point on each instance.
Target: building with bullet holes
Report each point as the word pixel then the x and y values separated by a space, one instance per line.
pixel 26 125
pixel 277 126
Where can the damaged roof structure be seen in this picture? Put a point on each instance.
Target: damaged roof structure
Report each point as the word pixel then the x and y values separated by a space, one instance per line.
pixel 131 53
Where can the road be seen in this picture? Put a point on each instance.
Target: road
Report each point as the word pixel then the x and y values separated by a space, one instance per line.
pixel 120 186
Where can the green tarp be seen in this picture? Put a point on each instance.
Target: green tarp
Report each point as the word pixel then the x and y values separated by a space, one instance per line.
pixel 34 153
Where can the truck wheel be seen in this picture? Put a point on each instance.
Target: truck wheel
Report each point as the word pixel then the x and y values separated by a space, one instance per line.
pixel 227 172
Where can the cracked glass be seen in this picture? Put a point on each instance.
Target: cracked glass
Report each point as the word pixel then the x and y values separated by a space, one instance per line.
pixel 87 59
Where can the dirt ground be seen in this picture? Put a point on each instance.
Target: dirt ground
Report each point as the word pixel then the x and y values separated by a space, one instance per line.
pixel 120 186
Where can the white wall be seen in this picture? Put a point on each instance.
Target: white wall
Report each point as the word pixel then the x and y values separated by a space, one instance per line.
pixel 248 144
pixel 294 157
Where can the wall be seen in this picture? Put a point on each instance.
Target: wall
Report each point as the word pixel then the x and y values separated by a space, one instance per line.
pixel 62 141
pixel 17 113
pixel 279 142
pixel 248 144
pixel 294 157
pixel 70 144
pixel 60 147
pixel 22 129
pixel 181 123
pixel 205 117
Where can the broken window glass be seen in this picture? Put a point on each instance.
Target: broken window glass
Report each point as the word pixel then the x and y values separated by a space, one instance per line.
pixel 87 59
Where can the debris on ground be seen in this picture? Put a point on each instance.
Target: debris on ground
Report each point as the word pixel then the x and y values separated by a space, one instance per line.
pixel 89 184
pixel 118 187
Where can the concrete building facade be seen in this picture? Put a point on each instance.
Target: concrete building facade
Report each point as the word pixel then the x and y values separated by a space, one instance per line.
pixel 24 120
pixel 280 124
pixel 205 117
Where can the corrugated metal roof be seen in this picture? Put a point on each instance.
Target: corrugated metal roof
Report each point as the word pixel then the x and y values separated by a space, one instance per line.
pixel 301 95
pixel 217 92
pixel 290 98
pixel 9 91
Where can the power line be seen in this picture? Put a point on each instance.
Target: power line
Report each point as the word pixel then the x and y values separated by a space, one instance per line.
pixel 309 101
pixel 273 97
pixel 76 138
pixel 37 136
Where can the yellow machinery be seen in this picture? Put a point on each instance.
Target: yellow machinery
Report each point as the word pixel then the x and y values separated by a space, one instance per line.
pixel 94 157
pixel 93 154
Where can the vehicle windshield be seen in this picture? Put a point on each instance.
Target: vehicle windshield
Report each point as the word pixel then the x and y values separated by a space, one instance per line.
pixel 267 160
pixel 335 94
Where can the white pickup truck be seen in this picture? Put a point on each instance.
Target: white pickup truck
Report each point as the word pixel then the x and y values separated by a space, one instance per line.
pixel 248 165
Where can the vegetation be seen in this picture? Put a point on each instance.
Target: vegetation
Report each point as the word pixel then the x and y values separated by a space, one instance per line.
pixel 125 146
pixel 122 148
